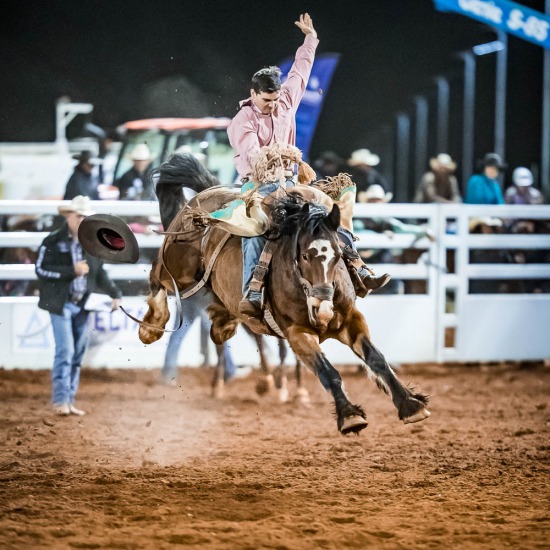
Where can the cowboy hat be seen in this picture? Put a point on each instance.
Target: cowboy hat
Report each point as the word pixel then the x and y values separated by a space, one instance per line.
pixel 443 160
pixel 85 157
pixel 492 159
pixel 363 156
pixel 522 177
pixel 109 238
pixel 376 192
pixel 80 205
pixel 491 222
pixel 141 152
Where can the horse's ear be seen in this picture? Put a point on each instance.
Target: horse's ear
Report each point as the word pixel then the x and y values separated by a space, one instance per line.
pixel 333 219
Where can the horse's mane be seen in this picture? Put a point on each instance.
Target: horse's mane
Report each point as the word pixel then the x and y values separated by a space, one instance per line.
pixel 179 171
pixel 291 214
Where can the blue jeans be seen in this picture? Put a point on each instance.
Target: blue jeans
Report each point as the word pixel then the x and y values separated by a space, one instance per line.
pixel 71 339
pixel 252 246
pixel 193 307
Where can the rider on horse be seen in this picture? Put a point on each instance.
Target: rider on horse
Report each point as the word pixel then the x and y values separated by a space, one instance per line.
pixel 268 117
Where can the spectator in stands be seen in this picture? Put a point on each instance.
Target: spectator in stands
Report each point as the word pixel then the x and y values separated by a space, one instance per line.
pixel 390 226
pixel 522 191
pixel 83 181
pixel 361 165
pixel 329 164
pixel 195 307
pixel 136 184
pixel 488 226
pixel 439 183
pixel 484 188
pixel 67 277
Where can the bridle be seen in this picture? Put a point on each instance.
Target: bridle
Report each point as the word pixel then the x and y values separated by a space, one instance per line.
pixel 319 296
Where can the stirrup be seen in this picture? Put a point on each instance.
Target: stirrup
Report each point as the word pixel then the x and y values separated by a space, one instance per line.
pixel 252 305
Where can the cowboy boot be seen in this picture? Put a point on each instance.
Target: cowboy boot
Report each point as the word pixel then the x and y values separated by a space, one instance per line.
pixel 251 304
pixel 371 281
pixel 363 278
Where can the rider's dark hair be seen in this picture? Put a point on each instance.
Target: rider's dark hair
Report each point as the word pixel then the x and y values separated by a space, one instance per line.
pixel 267 80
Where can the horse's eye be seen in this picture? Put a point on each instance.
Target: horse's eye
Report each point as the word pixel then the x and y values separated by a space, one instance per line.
pixel 304 257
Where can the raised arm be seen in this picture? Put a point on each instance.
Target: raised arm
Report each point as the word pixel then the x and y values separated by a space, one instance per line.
pixel 296 83
pixel 305 24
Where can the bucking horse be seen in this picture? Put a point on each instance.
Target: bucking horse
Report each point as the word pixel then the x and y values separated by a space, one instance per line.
pixel 309 295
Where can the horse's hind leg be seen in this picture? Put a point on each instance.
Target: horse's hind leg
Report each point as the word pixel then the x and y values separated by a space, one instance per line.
pixel 265 383
pixel 302 395
pixel 350 418
pixel 218 384
pixel 410 406
pixel 281 382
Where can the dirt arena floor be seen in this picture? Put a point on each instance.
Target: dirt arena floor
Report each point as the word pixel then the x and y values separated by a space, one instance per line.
pixel 152 466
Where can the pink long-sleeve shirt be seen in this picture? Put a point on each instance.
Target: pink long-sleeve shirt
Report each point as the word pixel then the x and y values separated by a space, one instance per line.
pixel 250 129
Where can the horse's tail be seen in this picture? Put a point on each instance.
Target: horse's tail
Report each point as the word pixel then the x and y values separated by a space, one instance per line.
pixel 181 171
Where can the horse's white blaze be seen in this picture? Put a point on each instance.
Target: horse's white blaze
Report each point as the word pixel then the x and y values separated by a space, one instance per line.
pixel 324 248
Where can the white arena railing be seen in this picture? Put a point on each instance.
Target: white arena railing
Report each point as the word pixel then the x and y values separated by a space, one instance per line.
pixel 443 323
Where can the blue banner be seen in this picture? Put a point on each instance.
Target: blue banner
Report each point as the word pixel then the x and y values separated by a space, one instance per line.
pixel 312 102
pixel 505 15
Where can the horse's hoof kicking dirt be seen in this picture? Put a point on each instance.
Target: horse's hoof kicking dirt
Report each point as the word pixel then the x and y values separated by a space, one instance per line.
pixel 353 424
pixel 418 417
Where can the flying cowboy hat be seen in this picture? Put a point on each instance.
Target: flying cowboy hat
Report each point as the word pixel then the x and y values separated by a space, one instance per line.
pixel 108 238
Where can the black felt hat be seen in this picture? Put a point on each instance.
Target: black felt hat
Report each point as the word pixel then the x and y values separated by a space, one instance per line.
pixel 492 159
pixel 108 238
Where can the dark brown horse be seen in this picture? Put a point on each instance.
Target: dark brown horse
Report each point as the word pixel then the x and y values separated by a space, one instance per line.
pixel 310 295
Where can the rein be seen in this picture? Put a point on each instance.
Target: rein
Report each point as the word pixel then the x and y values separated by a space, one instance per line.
pixel 190 292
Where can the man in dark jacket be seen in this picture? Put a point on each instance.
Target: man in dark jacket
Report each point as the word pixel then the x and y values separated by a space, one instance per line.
pixel 136 184
pixel 83 181
pixel 67 276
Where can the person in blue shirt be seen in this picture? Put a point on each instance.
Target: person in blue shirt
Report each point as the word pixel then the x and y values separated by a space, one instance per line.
pixel 484 188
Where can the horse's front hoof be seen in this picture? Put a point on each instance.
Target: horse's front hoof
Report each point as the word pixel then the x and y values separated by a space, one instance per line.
pixel 353 424
pixel 418 417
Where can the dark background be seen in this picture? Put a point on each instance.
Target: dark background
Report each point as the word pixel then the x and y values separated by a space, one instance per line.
pixel 137 59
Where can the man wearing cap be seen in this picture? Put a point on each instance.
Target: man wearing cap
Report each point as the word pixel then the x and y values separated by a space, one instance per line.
pixel 484 188
pixel 523 192
pixel 83 181
pixel 136 184
pixel 67 276
pixel 363 173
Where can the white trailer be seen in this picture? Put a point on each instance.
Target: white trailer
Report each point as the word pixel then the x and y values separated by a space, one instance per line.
pixel 41 170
